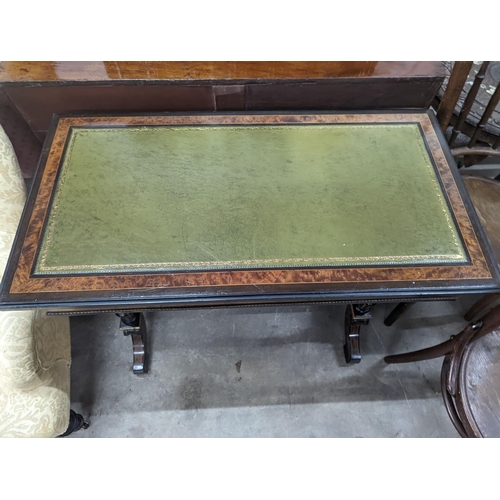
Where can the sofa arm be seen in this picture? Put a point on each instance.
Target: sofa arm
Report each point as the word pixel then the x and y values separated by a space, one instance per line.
pixel 12 197
pixel 31 344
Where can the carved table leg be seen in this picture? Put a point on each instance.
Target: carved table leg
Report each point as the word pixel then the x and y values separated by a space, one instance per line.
pixel 134 324
pixel 355 316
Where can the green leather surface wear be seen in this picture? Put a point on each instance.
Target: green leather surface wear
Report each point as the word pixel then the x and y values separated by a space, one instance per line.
pixel 221 197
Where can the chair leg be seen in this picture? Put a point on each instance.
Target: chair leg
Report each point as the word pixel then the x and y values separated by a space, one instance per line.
pixel 76 422
pixel 480 305
pixel 422 354
pixel 397 312
pixel 454 344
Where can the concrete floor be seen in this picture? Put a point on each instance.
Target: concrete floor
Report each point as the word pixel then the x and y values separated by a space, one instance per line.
pixel 293 380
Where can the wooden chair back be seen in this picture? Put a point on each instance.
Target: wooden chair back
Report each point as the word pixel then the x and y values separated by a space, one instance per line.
pixel 481 143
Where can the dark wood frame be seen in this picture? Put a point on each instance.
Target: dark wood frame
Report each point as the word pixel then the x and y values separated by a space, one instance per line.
pixel 118 291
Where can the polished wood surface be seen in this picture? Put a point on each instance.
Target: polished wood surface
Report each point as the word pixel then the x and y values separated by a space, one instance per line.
pixel 22 287
pixel 116 71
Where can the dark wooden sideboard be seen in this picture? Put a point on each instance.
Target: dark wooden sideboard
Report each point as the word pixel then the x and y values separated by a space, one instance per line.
pixel 31 92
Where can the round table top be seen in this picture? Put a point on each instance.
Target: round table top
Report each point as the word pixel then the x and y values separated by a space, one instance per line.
pixel 479 386
pixel 485 195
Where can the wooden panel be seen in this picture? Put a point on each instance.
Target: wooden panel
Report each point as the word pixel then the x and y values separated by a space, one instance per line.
pixel 38 104
pixel 229 97
pixel 98 71
pixel 343 95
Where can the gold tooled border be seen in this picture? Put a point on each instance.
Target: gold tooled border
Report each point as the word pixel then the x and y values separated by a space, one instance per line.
pixel 41 266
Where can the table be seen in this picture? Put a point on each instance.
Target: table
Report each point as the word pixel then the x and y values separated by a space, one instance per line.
pixel 32 91
pixel 133 213
pixel 37 89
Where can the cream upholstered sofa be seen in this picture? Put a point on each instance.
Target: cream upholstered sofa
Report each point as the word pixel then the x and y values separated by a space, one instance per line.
pixel 35 350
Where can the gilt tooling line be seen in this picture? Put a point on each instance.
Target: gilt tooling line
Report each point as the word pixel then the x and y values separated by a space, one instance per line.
pixel 225 197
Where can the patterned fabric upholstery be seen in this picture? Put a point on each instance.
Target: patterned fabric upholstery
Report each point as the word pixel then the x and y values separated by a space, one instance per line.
pixel 35 350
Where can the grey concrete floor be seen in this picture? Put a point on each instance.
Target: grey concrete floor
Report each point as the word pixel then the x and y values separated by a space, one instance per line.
pixel 292 381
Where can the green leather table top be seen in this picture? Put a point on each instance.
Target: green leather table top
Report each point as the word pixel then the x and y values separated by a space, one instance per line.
pixel 224 197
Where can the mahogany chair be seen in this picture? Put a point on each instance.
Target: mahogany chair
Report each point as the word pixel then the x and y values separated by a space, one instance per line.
pixel 469 376
pixel 473 114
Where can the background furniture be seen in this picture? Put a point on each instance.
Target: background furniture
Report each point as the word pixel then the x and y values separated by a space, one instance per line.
pixel 34 348
pixel 468 107
pixel 34 91
pixel 469 376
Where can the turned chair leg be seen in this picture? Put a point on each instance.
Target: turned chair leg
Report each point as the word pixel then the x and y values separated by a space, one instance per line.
pixel 76 422
pixel 429 353
pixel 439 350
